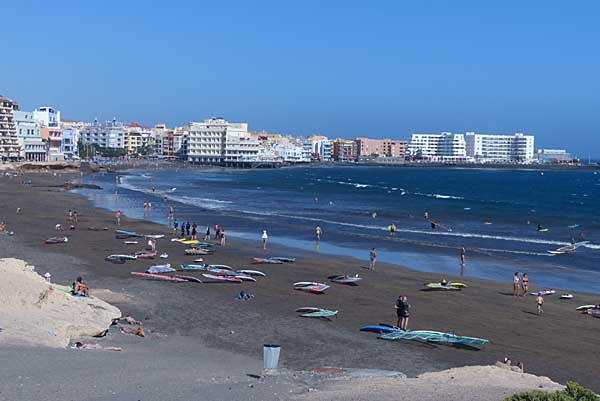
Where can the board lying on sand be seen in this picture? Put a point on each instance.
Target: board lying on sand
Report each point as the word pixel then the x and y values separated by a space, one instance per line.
pixel 130 242
pixel 128 234
pixel 282 259
pixel 154 236
pixel 202 245
pixel 316 312
pixel 443 287
pixel 566 296
pixel 252 273
pixel 341 279
pixel 189 278
pixel 188 241
pixel 157 269
pixel 197 251
pixel 585 307
pixel 543 292
pixel 593 311
pixel 119 258
pixel 380 329
pixel 229 279
pixel 268 261
pixel 433 336
pixel 56 240
pixel 159 277
pixel 308 286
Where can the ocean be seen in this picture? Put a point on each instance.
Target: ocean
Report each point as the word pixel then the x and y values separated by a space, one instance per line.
pixel 494 213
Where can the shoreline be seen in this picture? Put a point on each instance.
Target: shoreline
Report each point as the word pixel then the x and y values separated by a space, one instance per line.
pixel 174 309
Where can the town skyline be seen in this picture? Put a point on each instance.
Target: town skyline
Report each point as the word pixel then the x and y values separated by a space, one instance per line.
pixel 336 68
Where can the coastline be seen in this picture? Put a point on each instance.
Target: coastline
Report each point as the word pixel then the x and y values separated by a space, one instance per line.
pixel 209 313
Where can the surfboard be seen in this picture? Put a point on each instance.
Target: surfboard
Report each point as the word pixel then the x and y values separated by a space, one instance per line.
pixel 130 242
pixel 252 273
pixel 159 277
pixel 268 261
pixel 543 292
pixel 585 307
pixel 320 313
pixel 341 279
pixel 189 278
pixel 282 259
pixel 222 278
pixel 566 296
pixel 380 329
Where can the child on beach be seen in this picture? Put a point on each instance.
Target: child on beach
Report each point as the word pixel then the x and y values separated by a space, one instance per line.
pixel 540 303
pixel 118 217
pixel 222 234
pixel 265 237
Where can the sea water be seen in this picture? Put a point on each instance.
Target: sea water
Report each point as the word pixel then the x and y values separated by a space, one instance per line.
pixel 494 213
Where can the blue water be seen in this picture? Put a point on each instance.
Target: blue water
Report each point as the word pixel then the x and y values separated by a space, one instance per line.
pixel 355 205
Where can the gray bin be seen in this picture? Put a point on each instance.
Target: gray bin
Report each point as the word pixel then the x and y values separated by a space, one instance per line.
pixel 271 356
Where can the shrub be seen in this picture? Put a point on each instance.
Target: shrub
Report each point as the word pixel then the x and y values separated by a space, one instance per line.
pixel 573 392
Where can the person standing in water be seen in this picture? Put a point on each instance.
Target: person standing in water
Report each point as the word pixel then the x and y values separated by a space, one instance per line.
pixel 318 233
pixel 372 258
pixel 265 237
pixel 392 229
pixel 462 255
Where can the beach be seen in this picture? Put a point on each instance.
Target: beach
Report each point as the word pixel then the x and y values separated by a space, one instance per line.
pixel 189 322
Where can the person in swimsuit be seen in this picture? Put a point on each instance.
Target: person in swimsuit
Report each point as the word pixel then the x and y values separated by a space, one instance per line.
pixel 194 226
pixel 524 284
pixel 79 288
pixel 373 258
pixel 462 255
pixel 207 233
pixel 516 284
pixel 402 310
pixel 265 237
pixel 540 303
pixel 118 217
pixel 222 234
pixel 392 229
pixel 318 233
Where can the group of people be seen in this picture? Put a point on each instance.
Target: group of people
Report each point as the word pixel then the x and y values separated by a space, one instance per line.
pixel 520 285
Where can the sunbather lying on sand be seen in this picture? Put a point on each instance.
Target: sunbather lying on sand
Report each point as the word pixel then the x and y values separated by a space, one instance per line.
pixel 79 345
pixel 127 319
pixel 139 331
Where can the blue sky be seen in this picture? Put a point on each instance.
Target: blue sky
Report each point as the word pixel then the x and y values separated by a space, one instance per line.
pixel 340 68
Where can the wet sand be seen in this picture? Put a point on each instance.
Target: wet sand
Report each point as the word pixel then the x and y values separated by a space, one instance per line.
pixel 561 344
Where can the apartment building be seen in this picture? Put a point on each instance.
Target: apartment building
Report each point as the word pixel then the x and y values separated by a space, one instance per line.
pixel 32 147
pixel 109 134
pixel 517 148
pixel 380 147
pixel 9 141
pixel 438 147
pixel 345 150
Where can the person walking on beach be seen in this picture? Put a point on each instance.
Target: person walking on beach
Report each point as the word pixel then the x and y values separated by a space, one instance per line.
pixel 187 228
pixel 516 284
pixel 462 255
pixel 318 233
pixel 75 217
pixel 540 303
pixel 118 217
pixel 207 233
pixel 175 225
pixel 170 213
pixel 372 258
pixel 524 284
pixel 194 226
pixel 265 237
pixel 217 232
pixel 222 236
pixel 182 229
pixel 402 310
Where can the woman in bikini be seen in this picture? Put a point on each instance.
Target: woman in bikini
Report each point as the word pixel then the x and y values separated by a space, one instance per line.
pixel 516 284
pixel 524 284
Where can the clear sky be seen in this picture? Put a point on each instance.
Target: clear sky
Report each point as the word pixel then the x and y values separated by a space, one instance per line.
pixel 340 68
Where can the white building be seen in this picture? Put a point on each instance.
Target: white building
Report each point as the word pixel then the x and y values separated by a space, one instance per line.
pixel 554 156
pixel 47 116
pixel 216 141
pixel 9 142
pixel 322 147
pixel 33 148
pixel 110 134
pixel 517 148
pixel 438 147
pixel 70 141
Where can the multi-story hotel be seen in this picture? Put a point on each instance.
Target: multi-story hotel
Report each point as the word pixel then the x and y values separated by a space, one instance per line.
pixel 500 148
pixel 49 119
pixel 216 141
pixel 9 141
pixel 344 150
pixel 438 147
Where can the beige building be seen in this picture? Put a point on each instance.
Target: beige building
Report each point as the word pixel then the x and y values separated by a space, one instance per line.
pixel 9 141
pixel 380 147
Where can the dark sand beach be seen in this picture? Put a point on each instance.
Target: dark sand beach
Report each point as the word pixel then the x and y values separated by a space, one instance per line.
pixel 184 319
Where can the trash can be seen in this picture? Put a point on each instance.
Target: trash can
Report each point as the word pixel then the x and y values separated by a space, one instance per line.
pixel 271 356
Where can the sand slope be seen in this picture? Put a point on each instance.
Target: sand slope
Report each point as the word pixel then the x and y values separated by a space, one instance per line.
pixel 459 384
pixel 34 312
